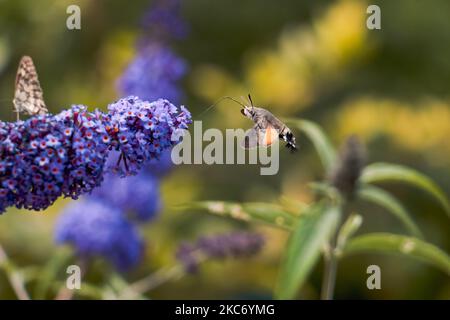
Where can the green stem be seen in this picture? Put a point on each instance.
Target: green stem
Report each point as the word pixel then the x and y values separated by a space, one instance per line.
pixel 158 278
pixel 329 278
pixel 15 277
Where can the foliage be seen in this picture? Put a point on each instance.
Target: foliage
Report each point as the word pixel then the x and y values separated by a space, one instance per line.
pixel 318 225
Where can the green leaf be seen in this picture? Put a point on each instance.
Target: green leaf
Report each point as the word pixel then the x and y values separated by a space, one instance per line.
pixel 400 245
pixel 50 271
pixel 380 172
pixel 326 189
pixel 267 213
pixel 348 229
pixel 121 288
pixel 319 139
pixel 304 246
pixel 387 201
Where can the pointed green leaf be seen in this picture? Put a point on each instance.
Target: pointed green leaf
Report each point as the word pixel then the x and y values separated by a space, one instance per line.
pixel 319 139
pixel 267 213
pixel 389 202
pixel 400 245
pixel 325 189
pixel 380 172
pixel 348 229
pixel 50 271
pixel 304 247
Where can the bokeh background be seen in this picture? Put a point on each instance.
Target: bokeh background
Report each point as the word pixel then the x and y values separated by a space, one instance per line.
pixel 309 59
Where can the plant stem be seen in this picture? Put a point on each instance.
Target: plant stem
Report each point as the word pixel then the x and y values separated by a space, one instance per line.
pixel 329 278
pixel 15 277
pixel 157 278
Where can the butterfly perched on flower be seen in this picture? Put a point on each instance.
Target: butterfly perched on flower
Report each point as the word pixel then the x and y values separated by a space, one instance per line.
pixel 28 96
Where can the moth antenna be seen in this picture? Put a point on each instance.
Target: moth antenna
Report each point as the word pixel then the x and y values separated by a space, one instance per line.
pixel 243 100
pixel 250 99
pixel 220 100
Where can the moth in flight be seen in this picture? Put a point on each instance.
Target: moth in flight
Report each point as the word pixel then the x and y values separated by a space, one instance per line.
pixel 267 128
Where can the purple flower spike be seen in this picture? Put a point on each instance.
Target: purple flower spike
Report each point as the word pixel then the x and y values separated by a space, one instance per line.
pixel 163 20
pixel 233 245
pixel 137 196
pixel 48 156
pixel 97 229
pixel 143 130
pixel 154 73
pixel 43 161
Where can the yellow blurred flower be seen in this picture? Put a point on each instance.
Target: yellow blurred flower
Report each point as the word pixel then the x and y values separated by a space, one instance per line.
pixel 341 33
pixel 425 126
pixel 288 77
pixel 209 82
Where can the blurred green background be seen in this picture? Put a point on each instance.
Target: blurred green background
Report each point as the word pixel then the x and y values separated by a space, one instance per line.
pixel 309 59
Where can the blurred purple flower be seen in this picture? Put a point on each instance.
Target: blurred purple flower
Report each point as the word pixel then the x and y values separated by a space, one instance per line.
pixel 160 167
pixel 233 245
pixel 97 229
pixel 163 20
pixel 154 73
pixel 138 196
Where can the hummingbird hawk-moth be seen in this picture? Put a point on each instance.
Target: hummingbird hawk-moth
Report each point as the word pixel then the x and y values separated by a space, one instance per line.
pixel 267 128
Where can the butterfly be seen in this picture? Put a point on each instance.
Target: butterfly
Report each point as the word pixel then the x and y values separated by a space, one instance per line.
pixel 28 96
pixel 267 128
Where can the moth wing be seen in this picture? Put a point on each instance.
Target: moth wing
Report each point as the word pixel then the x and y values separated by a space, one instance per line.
pixel 267 136
pixel 251 138
pixel 259 137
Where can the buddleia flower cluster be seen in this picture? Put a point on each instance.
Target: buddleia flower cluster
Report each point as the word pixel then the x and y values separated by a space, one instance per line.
pixel 222 246
pixel 155 72
pixel 48 156
pixel 152 130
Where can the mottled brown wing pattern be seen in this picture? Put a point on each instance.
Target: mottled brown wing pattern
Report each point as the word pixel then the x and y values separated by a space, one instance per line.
pixel 28 96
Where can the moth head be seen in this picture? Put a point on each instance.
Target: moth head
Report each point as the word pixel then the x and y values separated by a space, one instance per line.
pixel 248 112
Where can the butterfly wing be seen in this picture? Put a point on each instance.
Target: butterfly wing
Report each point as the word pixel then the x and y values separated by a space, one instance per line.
pixel 28 96
pixel 259 137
